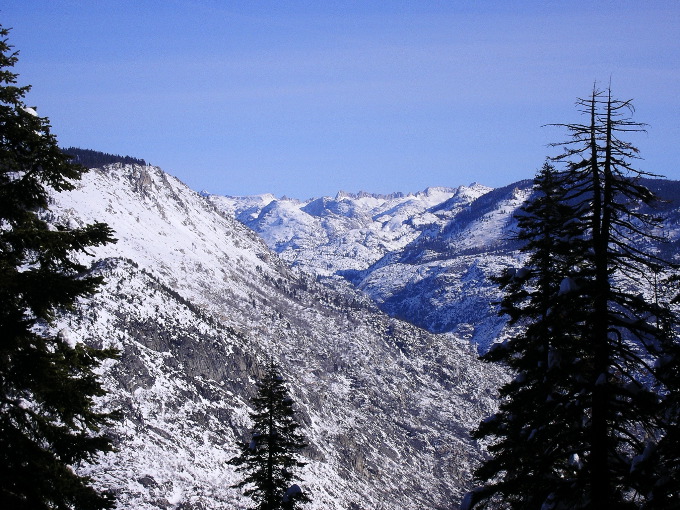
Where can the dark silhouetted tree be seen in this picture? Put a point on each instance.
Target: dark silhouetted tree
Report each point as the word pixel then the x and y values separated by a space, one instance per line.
pixel 48 419
pixel 270 459
pixel 588 399
pixel 534 455
pixel 625 330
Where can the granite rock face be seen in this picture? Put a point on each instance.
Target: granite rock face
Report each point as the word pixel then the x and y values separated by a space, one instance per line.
pixel 197 304
pixel 425 257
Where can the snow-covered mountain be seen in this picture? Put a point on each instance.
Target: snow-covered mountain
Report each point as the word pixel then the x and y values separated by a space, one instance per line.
pixel 196 302
pixel 349 232
pixel 425 257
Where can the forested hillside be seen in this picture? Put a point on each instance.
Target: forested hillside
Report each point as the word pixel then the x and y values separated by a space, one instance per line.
pixel 95 159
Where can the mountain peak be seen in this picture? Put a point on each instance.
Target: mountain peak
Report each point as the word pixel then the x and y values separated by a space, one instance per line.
pixel 196 304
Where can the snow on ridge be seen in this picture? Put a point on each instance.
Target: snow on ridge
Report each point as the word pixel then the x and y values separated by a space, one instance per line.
pixel 194 299
pixel 230 204
pixel 365 194
pixel 350 231
pixel 422 256
pixel 162 225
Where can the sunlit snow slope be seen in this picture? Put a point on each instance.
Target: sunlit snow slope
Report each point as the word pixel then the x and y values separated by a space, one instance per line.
pixel 425 257
pixel 196 303
pixel 428 257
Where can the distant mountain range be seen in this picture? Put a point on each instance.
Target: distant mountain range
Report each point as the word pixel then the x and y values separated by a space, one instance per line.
pixel 424 257
pixel 397 251
pixel 373 305
pixel 197 303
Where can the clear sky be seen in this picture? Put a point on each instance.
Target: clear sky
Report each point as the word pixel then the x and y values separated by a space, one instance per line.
pixel 306 98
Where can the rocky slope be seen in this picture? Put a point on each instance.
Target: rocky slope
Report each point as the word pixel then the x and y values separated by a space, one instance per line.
pixel 349 232
pixel 197 303
pixel 426 258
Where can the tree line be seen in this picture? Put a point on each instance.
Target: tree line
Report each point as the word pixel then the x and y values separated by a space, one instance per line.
pixel 96 159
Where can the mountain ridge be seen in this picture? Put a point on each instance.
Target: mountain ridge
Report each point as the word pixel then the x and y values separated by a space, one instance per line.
pixel 196 303
pixel 417 262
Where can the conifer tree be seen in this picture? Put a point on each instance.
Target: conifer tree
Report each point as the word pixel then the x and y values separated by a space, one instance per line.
pixel 534 454
pixel 270 459
pixel 596 413
pixel 657 468
pixel 48 421
pixel 625 330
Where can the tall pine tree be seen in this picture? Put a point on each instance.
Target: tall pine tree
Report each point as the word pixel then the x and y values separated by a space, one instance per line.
pixel 625 329
pixel 594 403
pixel 534 455
pixel 270 459
pixel 48 420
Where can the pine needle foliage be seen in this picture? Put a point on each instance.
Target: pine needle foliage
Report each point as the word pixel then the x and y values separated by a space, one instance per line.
pixel 534 455
pixel 595 396
pixel 48 420
pixel 270 459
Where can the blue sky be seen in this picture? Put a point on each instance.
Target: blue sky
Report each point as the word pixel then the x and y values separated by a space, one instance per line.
pixel 308 98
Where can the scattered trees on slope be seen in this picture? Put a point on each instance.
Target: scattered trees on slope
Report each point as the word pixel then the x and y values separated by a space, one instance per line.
pixel 48 420
pixel 270 459
pixel 595 395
